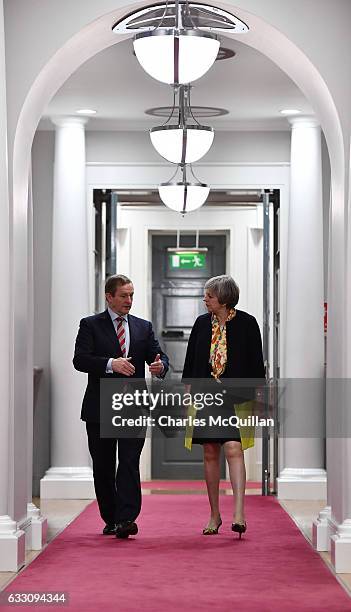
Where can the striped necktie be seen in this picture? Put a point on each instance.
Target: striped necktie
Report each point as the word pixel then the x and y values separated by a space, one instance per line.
pixel 121 335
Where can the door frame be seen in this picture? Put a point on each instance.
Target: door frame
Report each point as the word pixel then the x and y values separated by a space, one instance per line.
pixel 161 232
pixel 216 233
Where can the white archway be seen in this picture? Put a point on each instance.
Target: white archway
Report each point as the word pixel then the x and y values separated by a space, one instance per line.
pixel 94 38
pixel 263 37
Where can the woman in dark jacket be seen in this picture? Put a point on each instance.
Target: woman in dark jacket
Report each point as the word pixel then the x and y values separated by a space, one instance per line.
pixel 224 344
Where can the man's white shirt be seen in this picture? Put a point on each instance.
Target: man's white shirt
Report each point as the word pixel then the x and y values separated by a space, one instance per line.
pixel 114 318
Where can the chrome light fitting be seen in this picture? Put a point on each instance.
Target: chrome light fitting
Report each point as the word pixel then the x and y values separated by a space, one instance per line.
pixel 183 196
pixel 175 42
pixel 183 142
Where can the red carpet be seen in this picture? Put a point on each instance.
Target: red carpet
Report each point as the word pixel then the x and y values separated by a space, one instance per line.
pixel 189 485
pixel 171 566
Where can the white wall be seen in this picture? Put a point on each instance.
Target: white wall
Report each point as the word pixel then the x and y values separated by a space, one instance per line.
pixel 227 147
pixel 42 171
pixel 326 210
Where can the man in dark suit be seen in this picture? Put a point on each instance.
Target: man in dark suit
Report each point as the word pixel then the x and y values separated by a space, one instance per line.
pixel 111 344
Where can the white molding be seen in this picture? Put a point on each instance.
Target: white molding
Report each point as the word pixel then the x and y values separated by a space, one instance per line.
pixel 332 527
pixel 67 483
pixel 106 125
pixel 147 175
pixel 12 545
pixel 145 459
pixel 321 530
pixel 340 547
pixel 304 121
pixel 128 206
pixel 203 164
pixel 65 121
pixel 302 483
pixel 38 528
pixel 25 526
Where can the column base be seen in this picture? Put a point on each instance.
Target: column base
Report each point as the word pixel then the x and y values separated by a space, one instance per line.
pixel 25 526
pixel 302 483
pixel 67 483
pixel 340 549
pixel 12 545
pixel 320 530
pixel 38 528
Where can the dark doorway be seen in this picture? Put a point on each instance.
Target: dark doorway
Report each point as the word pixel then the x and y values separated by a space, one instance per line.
pixel 177 294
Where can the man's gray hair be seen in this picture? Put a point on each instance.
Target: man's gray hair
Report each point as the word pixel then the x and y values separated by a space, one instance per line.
pixel 114 281
pixel 225 289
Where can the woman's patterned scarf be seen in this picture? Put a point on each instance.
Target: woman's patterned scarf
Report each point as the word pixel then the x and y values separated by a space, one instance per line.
pixel 218 351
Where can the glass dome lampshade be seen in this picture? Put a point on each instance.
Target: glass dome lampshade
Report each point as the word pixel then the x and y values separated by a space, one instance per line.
pixel 182 142
pixel 183 196
pixel 175 41
pixel 179 145
pixel 176 56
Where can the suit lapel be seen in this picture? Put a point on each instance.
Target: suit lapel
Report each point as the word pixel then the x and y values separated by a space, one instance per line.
pixel 110 332
pixel 132 334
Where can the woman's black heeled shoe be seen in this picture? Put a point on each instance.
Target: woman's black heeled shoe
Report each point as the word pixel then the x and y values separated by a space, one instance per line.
pixel 212 530
pixel 239 528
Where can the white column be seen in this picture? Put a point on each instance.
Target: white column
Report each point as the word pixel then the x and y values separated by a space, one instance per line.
pixel 303 475
pixel 339 520
pixel 37 532
pixel 70 475
pixel 339 380
pixel 321 525
pixel 12 539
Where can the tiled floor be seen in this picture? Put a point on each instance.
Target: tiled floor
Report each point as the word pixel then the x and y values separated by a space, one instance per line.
pixel 61 512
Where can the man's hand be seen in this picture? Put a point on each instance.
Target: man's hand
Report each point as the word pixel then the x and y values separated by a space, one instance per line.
pixel 123 366
pixel 156 367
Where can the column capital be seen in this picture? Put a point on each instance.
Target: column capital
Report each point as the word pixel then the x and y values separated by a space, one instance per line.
pixel 69 121
pixel 307 121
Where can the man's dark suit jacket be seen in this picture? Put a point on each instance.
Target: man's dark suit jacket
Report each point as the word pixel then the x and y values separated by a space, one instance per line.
pixel 244 349
pixel 97 342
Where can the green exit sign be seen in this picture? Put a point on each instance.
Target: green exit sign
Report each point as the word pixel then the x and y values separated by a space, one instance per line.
pixel 187 261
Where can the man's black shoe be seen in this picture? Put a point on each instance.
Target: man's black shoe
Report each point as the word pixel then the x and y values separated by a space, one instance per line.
pixel 109 529
pixel 125 529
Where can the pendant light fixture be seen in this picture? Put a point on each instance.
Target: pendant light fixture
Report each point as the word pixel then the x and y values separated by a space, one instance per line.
pixel 183 196
pixel 177 55
pixel 182 142
pixel 175 42
pixel 173 49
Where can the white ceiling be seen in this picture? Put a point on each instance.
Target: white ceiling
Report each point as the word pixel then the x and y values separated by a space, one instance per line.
pixel 249 85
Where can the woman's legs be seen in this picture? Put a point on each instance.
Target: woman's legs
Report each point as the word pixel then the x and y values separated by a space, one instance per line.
pixel 212 476
pixel 235 458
